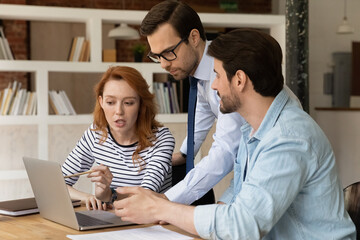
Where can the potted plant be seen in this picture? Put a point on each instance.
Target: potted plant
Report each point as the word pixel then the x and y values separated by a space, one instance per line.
pixel 139 50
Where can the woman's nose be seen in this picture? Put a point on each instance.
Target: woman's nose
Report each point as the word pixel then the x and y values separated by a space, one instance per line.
pixel 119 109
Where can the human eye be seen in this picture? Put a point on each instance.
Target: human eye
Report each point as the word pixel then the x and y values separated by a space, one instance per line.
pixel 168 54
pixel 129 103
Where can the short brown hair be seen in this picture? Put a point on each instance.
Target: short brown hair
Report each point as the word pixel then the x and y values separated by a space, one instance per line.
pixel 178 14
pixel 256 53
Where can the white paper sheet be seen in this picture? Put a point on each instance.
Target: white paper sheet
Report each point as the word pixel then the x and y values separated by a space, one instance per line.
pixel 149 233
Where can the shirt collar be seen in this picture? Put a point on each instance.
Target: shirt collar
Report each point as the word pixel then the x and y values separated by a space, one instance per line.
pixel 271 116
pixel 206 65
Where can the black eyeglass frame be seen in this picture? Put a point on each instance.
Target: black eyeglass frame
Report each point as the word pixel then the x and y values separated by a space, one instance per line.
pixel 152 56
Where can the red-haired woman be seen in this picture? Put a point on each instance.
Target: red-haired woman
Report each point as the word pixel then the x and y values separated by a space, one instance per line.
pixel 129 147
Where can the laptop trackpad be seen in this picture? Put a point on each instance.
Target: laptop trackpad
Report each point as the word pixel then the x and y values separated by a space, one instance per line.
pixel 104 216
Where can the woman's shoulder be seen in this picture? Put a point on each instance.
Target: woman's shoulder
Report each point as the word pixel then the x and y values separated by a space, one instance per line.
pixel 163 134
pixel 162 131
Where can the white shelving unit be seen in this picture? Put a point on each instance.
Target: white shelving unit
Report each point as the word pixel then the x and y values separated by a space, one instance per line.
pixel 94 20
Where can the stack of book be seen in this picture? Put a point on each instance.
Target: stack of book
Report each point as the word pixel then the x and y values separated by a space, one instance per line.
pixel 167 97
pixel 17 101
pixel 60 103
pixel 80 50
pixel 5 51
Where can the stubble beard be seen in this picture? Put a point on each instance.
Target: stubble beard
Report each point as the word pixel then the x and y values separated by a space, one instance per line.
pixel 229 104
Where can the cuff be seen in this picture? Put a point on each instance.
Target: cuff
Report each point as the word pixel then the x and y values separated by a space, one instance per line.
pixel 178 194
pixel 183 147
pixel 204 220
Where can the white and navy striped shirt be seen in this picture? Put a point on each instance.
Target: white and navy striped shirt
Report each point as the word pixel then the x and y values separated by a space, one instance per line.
pixel 156 174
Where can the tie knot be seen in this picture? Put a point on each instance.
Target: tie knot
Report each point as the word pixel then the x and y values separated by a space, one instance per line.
pixel 193 81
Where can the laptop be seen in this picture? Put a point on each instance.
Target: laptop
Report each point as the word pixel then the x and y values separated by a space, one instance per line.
pixel 53 199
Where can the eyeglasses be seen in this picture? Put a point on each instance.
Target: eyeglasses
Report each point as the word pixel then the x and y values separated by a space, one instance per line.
pixel 168 55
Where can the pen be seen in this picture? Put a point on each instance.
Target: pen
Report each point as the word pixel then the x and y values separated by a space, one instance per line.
pixel 78 174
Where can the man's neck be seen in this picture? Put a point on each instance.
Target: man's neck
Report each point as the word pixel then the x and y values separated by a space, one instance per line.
pixel 200 52
pixel 256 109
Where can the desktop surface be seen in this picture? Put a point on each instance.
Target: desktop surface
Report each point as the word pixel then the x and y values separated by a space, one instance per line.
pixel 35 227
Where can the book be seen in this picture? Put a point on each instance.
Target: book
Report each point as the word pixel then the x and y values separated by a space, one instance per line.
pixel 26 96
pixel 9 53
pixel 6 103
pixel 33 106
pixel 87 52
pixel 23 102
pixel 109 55
pixel 3 98
pixel 54 99
pixel 52 104
pixel 67 102
pixel 17 100
pixel 175 97
pixel 72 50
pixel 82 52
pixel 78 47
pixel 62 106
pixel 2 53
pixel 25 206
pixel 6 46
pixel 2 49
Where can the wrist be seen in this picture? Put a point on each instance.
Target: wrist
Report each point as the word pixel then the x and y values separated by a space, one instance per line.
pixel 112 196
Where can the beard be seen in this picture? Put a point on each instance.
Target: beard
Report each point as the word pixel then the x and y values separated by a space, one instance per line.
pixel 187 67
pixel 229 104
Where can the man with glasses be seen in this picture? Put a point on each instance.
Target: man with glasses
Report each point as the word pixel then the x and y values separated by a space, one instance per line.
pixel 177 41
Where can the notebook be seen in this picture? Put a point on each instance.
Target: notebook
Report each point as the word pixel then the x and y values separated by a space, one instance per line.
pixel 24 206
pixel 53 199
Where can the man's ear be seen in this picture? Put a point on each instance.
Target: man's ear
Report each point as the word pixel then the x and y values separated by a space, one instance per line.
pixel 240 79
pixel 194 37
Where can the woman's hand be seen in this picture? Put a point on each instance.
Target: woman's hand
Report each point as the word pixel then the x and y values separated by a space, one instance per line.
pixel 102 177
pixel 92 203
pixel 88 199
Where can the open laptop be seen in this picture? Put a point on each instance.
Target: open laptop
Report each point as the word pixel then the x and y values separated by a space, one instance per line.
pixel 53 199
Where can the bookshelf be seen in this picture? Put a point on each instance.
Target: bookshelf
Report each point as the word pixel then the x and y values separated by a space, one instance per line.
pixel 52 137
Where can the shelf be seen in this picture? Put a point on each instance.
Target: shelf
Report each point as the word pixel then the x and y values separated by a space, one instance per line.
pixel 337 109
pixel 65 66
pixel 172 118
pixel 19 120
pixel 53 136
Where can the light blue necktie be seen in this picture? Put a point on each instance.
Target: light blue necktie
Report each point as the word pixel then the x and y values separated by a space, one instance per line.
pixel 191 124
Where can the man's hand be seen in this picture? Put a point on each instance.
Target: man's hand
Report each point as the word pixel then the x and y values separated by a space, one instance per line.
pixel 141 206
pixel 178 159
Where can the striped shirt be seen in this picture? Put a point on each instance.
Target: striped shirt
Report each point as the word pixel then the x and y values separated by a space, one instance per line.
pixel 156 174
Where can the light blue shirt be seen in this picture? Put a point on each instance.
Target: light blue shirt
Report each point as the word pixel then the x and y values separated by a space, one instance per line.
pixel 222 154
pixel 285 184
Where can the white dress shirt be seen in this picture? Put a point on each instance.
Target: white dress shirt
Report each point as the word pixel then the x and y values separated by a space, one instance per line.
pixel 220 160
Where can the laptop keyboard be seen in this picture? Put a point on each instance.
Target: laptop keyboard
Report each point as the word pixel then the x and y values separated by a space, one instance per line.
pixel 85 220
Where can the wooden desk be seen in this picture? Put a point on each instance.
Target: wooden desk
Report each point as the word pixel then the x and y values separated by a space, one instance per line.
pixel 35 227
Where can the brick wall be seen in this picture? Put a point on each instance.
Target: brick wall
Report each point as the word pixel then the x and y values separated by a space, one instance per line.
pixel 16 31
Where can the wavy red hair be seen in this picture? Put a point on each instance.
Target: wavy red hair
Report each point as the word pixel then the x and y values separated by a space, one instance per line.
pixel 146 124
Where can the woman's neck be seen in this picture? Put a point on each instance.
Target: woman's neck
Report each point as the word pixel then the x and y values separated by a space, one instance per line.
pixel 124 138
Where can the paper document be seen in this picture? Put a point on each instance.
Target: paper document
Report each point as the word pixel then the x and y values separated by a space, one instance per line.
pixel 149 233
